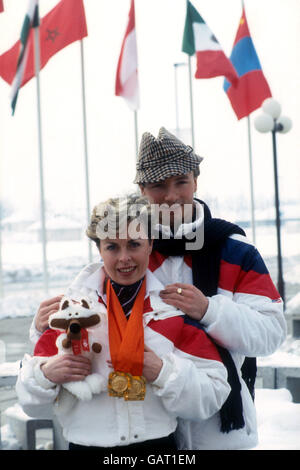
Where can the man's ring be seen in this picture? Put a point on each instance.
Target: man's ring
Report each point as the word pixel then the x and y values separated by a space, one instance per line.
pixel 179 291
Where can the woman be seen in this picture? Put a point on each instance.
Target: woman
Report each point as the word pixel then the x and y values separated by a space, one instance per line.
pixel 157 363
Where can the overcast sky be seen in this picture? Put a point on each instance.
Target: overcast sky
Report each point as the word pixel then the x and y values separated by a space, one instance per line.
pixel 219 136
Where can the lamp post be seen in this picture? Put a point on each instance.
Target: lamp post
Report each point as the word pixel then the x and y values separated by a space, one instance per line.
pixel 271 121
pixel 176 66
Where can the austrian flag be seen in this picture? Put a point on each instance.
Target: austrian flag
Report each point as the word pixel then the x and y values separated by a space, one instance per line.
pixel 211 60
pixel 127 77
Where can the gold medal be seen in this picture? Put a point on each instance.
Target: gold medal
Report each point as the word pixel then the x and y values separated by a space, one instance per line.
pixel 137 391
pixel 118 383
pixel 126 344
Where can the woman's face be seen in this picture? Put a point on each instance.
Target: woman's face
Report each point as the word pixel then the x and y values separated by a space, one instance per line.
pixel 125 259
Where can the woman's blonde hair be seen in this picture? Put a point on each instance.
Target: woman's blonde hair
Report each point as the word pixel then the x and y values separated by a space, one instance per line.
pixel 112 217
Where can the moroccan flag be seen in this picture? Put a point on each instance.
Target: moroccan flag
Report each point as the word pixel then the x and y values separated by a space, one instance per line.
pixel 64 24
pixel 198 38
pixel 1 6
pixel 127 84
pixel 252 88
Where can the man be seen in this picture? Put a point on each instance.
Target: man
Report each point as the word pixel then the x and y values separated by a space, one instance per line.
pixel 223 286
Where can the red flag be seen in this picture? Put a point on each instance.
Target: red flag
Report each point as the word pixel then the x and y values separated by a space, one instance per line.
pixel 252 87
pixel 1 6
pixel 63 25
pixel 127 77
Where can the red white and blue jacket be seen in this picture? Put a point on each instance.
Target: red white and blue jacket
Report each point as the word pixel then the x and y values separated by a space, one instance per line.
pixel 246 317
pixel 192 383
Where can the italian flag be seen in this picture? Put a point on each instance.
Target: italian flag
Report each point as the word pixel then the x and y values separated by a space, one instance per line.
pixel 199 39
pixel 31 21
pixel 127 77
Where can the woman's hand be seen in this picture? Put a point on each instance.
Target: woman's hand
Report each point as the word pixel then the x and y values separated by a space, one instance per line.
pixel 66 368
pixel 152 365
pixel 190 300
pixel 45 310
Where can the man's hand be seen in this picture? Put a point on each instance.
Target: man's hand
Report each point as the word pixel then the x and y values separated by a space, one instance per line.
pixel 152 365
pixel 46 308
pixel 190 300
pixel 66 368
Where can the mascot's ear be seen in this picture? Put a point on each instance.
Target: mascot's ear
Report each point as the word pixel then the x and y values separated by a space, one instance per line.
pixel 84 303
pixel 65 304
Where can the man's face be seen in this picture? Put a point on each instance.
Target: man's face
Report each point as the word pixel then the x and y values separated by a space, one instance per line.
pixel 174 190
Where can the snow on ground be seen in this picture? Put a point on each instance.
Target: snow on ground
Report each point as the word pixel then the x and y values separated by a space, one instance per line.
pixel 288 355
pixel 278 420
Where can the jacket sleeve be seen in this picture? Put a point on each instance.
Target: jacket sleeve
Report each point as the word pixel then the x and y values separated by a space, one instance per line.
pixel 33 389
pixel 193 381
pixel 34 334
pixel 246 316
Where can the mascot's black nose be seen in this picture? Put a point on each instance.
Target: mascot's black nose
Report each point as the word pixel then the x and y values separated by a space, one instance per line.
pixel 75 328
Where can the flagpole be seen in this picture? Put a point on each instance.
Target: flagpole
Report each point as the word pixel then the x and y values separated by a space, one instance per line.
pixel 191 102
pixel 1 270
pixel 251 182
pixel 40 147
pixel 251 172
pixel 176 100
pixel 86 161
pixel 136 134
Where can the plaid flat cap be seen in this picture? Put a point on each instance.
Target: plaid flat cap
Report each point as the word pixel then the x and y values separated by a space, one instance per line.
pixel 164 157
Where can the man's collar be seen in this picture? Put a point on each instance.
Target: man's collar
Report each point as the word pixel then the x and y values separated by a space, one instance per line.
pixel 184 228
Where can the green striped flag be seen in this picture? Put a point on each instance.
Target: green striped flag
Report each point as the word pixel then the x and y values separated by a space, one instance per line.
pixel 31 21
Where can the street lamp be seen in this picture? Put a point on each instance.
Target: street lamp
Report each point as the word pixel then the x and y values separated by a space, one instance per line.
pixel 271 121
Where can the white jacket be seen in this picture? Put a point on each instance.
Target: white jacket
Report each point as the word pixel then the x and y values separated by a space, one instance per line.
pixel 192 383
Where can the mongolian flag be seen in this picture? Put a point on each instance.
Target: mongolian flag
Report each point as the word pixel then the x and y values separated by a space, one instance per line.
pixel 252 88
pixel 64 24
pixel 127 84
pixel 1 6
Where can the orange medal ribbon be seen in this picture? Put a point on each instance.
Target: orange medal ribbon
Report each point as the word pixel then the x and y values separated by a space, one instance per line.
pixel 126 343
